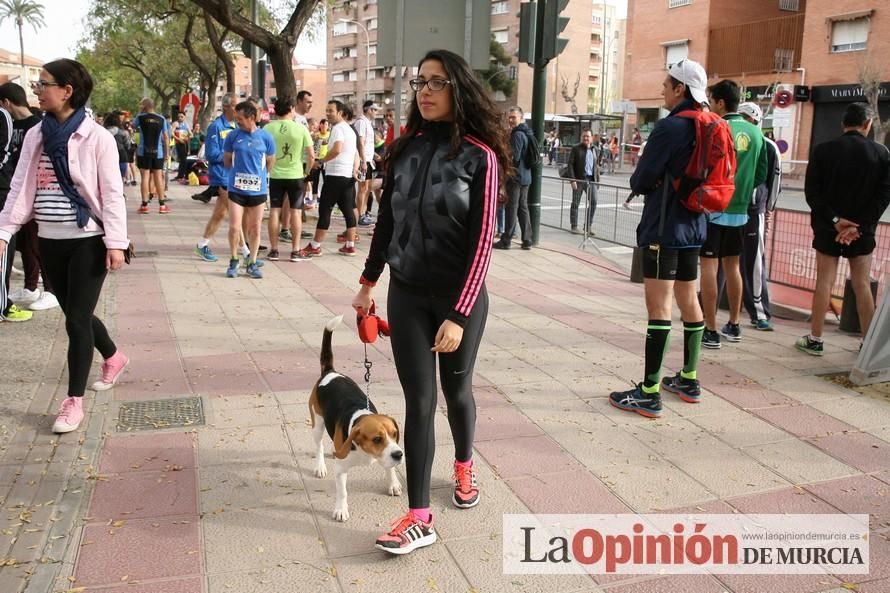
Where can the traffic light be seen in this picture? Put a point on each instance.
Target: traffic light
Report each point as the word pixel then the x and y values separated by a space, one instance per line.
pixel 553 44
pixel 526 52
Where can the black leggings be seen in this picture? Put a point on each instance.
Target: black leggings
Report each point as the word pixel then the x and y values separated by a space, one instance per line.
pixel 77 270
pixel 339 191
pixel 414 321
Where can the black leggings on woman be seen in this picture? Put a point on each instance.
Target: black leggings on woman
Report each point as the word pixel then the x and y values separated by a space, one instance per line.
pixel 77 270
pixel 414 321
pixel 336 191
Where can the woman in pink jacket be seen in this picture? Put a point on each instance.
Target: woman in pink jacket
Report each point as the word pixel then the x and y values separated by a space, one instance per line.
pixel 68 180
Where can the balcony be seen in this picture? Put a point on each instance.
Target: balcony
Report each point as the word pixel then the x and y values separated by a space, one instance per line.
pixel 762 47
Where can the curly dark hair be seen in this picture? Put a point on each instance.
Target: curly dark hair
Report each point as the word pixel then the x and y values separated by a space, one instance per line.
pixel 473 110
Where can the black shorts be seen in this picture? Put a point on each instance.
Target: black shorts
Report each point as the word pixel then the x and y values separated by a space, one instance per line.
pixel 723 241
pixel 245 200
pixel 293 188
pixel 824 243
pixel 149 163
pixel 670 264
pixel 314 176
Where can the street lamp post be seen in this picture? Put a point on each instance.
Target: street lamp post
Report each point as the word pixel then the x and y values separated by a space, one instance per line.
pixel 367 52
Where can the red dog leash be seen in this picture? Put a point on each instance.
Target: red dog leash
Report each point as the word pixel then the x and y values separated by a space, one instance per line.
pixel 370 326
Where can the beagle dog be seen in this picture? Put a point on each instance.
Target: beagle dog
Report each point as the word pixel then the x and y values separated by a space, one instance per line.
pixel 360 435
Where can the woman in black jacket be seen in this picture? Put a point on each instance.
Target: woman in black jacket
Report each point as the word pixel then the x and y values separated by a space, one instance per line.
pixel 434 229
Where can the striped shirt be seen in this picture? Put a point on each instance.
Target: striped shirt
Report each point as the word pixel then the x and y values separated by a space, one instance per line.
pixel 55 214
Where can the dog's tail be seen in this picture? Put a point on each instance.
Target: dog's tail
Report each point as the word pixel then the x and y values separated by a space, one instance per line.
pixel 327 352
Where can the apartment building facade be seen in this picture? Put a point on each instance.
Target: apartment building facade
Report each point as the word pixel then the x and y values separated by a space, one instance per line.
pixel 606 75
pixel 814 49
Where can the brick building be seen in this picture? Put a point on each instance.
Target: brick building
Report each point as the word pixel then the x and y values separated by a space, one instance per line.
pixel 814 49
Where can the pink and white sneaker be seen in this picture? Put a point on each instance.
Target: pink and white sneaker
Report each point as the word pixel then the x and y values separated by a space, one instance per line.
pixel 111 371
pixel 407 534
pixel 70 415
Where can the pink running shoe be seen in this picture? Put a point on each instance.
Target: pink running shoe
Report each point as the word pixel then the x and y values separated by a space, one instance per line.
pixel 407 534
pixel 70 415
pixel 111 371
pixel 466 490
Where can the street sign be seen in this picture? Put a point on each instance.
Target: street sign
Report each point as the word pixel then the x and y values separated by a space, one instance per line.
pixel 190 104
pixel 435 24
pixel 782 117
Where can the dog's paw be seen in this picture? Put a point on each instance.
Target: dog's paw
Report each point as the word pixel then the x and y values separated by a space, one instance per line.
pixel 321 470
pixel 341 514
pixel 395 489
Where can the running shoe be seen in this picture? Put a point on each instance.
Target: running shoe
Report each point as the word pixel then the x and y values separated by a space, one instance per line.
pixel 46 301
pixel 365 220
pixel 711 339
pixel 205 253
pixel 345 250
pixel 273 255
pixel 15 314
pixel 764 325
pixel 732 332
pixel 285 235
pixel 688 389
pixel 143 209
pixel 310 251
pixel 163 209
pixel 466 490
pixel 635 400
pixel 341 238
pixel 407 534
pixel 810 346
pixel 253 271
pixel 111 371
pixel 232 272
pixel 23 296
pixel 297 256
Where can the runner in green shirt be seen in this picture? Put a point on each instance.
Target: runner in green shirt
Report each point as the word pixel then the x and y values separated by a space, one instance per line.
pixel 292 142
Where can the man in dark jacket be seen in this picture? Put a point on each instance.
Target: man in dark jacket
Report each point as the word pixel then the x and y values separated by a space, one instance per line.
pixel 517 187
pixel 584 172
pixel 670 237
pixel 848 189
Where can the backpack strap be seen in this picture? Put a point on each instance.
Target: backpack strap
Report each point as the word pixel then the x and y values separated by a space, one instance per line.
pixel 664 199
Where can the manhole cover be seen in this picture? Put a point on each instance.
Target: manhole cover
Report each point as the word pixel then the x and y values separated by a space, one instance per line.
pixel 160 413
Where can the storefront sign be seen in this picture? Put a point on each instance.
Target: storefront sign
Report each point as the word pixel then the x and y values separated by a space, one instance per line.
pixel 845 93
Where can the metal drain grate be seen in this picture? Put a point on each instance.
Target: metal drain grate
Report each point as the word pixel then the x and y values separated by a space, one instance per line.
pixel 160 413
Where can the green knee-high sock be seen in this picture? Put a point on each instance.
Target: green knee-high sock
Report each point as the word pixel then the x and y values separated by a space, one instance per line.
pixel 658 337
pixel 692 333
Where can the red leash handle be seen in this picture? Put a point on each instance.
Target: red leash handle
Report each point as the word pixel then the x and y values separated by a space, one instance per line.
pixel 370 325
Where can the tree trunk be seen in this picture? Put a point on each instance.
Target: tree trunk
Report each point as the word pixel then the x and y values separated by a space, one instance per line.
pixel 280 59
pixel 25 80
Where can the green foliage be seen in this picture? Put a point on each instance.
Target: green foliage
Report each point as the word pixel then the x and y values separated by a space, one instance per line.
pixel 497 77
pixel 116 86
pixel 23 12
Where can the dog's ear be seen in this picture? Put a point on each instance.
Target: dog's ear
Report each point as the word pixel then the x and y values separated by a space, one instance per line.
pixel 343 450
pixel 395 426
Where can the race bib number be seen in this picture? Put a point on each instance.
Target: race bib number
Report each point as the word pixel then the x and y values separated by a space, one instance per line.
pixel 248 183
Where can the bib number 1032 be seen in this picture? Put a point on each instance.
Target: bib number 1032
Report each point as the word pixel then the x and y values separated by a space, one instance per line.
pixel 248 183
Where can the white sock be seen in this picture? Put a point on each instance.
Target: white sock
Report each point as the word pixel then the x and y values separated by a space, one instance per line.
pixel 815 339
pixel 245 251
pixel 350 244
pixel 315 244
pixel 203 243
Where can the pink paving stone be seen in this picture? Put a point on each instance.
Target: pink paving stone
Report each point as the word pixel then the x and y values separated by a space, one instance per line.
pixel 857 494
pixel 189 585
pixel 691 583
pixel 152 389
pixel 779 583
pixel 223 374
pixel 498 420
pixel 525 456
pixel 863 451
pixel 140 549
pixel 879 562
pixel 153 452
pixel 566 492
pixel 748 396
pixel 786 500
pixel 140 494
pixel 801 420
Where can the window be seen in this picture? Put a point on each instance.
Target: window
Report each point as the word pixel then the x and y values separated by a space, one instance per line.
pixel 344 28
pixel 371 24
pixel 501 35
pixel 791 5
pixel 339 77
pixel 500 7
pixel 344 52
pixel 849 35
pixel 674 52
pixel 678 3
pixel 597 19
pixel 783 60
pixel 372 49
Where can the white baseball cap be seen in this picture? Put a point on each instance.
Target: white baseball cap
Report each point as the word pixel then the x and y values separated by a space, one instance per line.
pixel 752 110
pixel 693 76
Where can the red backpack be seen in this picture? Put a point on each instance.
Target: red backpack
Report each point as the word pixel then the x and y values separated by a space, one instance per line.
pixel 707 183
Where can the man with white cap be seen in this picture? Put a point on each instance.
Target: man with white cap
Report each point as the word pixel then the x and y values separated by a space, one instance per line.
pixel 755 292
pixel 670 237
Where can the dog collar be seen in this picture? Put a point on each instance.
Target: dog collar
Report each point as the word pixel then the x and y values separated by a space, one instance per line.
pixel 358 414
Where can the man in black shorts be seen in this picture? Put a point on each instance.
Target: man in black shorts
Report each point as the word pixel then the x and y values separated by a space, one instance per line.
pixel 152 153
pixel 670 237
pixel 848 189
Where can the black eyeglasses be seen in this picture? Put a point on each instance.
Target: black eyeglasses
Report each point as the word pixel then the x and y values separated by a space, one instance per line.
pixel 40 85
pixel 434 84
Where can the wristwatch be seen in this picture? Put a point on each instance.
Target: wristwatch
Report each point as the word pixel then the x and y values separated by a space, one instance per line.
pixel 835 220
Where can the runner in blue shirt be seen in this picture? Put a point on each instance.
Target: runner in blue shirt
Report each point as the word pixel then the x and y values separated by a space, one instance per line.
pixel 249 155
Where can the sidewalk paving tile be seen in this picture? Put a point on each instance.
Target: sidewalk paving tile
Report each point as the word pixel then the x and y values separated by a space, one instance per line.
pixel 141 494
pixel 186 585
pixel 577 491
pixel 266 445
pixel 799 462
pixel 863 451
pixel 857 494
pixel 858 410
pixel 147 452
pixel 738 428
pixel 653 484
pixel 139 549
pixel 277 579
pixel 433 570
pixel 525 456
pixel 802 421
